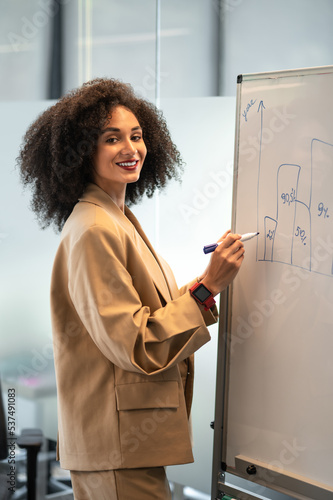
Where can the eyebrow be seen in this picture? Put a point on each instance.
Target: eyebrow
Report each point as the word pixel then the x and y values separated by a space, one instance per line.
pixel 114 129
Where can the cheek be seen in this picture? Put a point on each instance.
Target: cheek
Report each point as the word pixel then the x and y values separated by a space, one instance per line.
pixel 96 156
pixel 102 156
pixel 100 163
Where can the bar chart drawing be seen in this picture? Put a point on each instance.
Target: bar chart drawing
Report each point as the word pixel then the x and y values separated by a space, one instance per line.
pixel 300 232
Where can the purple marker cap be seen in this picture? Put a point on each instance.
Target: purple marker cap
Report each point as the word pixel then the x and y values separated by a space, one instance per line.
pixel 210 248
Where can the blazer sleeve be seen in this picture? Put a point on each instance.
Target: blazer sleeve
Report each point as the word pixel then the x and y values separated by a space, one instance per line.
pixel 126 331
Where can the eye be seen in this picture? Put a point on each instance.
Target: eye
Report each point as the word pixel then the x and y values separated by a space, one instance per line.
pixel 111 140
pixel 136 138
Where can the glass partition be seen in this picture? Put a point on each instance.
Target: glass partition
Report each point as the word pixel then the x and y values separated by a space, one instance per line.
pixel 25 43
pixel 192 214
pixel 26 257
pixel 113 39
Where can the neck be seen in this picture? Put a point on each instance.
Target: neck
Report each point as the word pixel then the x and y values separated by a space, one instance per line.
pixel 116 193
pixel 120 201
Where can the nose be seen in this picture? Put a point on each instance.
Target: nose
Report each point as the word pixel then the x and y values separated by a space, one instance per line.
pixel 129 148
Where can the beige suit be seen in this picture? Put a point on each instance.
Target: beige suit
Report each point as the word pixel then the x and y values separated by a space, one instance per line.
pixel 123 336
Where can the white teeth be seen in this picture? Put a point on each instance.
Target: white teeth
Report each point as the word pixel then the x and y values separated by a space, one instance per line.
pixel 128 164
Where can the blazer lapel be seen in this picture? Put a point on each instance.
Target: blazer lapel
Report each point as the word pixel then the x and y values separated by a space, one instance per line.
pixel 94 194
pixel 150 257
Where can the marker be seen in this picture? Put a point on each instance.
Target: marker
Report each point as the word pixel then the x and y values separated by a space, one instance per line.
pixel 213 246
pixel 249 236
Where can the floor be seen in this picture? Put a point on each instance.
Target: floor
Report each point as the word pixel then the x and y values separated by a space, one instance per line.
pixel 180 492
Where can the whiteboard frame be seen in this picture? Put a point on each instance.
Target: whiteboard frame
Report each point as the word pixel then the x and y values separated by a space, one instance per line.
pixel 285 483
pixel 319 70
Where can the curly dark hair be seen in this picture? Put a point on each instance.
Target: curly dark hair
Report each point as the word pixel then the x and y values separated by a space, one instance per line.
pixel 57 150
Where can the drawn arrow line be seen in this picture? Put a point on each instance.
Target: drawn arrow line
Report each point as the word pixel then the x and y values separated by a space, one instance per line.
pixel 261 108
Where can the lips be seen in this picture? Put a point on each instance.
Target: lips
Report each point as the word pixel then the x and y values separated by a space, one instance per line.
pixel 128 165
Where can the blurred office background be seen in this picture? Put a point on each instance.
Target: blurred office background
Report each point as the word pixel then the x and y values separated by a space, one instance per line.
pixel 184 55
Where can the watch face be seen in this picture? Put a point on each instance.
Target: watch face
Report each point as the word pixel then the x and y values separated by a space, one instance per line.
pixel 202 293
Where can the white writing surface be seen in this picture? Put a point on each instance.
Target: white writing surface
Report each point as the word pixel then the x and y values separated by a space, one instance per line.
pixel 280 404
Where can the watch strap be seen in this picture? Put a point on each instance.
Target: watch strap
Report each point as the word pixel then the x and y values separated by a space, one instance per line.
pixel 208 302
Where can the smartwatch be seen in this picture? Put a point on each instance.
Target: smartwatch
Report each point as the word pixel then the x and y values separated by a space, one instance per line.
pixel 202 295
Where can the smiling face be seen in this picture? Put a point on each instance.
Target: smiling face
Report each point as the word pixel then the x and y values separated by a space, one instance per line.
pixel 120 153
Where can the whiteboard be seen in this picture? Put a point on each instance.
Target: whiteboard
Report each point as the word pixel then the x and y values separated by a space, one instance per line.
pixel 279 412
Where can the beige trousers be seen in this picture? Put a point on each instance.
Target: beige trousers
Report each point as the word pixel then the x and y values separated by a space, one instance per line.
pixel 123 484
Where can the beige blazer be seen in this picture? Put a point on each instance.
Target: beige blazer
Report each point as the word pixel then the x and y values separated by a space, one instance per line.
pixel 123 338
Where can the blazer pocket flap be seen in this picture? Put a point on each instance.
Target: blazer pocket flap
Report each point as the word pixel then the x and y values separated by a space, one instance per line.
pixel 145 395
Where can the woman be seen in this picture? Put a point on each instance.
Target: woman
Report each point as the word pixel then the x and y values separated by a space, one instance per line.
pixel 124 334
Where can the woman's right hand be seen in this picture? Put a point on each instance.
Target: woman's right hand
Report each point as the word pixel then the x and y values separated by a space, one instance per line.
pixel 224 263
